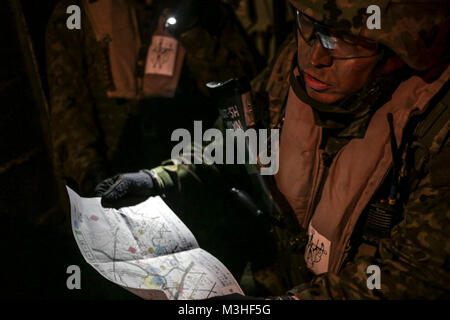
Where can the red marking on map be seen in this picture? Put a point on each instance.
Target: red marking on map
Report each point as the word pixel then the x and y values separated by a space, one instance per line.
pixel 95 218
pixel 132 250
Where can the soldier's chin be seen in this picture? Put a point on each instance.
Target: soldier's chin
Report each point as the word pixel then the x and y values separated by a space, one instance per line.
pixel 324 96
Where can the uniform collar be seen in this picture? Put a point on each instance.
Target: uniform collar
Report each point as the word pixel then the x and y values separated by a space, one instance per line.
pixel 349 117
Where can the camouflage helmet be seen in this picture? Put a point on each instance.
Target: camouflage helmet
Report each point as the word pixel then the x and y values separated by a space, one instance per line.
pixel 416 30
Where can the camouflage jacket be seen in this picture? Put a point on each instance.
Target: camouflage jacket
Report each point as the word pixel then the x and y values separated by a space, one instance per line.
pixel 414 260
pixel 87 126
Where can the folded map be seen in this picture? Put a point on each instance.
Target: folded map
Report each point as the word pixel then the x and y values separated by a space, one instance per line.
pixel 147 250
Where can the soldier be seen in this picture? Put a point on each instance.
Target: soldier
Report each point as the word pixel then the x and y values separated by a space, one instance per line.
pixel 363 157
pixel 115 89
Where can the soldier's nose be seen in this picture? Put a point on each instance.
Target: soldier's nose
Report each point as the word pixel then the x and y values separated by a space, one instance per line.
pixel 320 57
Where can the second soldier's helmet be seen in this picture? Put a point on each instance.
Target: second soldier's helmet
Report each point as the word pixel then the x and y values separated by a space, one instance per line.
pixel 416 30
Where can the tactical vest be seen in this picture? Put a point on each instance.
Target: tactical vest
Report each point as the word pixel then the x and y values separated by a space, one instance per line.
pixel 357 172
pixel 126 74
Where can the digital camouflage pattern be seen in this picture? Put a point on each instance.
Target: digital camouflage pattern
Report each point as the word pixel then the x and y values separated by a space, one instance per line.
pixel 414 261
pixel 77 91
pixel 89 129
pixel 416 30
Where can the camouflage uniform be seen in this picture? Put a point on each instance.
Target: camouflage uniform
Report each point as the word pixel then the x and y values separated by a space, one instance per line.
pixel 414 260
pixel 94 135
pixel 260 19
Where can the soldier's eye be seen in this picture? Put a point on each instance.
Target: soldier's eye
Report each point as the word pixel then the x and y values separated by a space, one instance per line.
pixel 349 39
pixel 358 42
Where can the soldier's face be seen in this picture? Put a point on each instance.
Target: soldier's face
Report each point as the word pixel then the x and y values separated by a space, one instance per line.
pixel 327 79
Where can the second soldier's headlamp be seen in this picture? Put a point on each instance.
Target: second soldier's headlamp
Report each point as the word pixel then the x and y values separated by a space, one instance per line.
pixel 171 24
pixel 171 21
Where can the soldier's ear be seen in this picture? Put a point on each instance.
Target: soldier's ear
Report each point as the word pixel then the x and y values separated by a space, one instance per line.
pixel 393 63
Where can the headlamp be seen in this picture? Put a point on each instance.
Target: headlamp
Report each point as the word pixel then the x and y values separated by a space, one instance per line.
pixel 171 21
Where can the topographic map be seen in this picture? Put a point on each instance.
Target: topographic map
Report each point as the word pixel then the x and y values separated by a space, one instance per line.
pixel 148 250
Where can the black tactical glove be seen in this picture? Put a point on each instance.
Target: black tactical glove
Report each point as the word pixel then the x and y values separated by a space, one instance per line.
pixel 193 13
pixel 127 189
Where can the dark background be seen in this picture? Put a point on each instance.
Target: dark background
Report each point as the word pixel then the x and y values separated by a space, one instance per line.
pixel 37 244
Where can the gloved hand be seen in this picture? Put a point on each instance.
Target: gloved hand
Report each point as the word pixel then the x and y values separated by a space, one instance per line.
pixel 127 189
pixel 193 13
